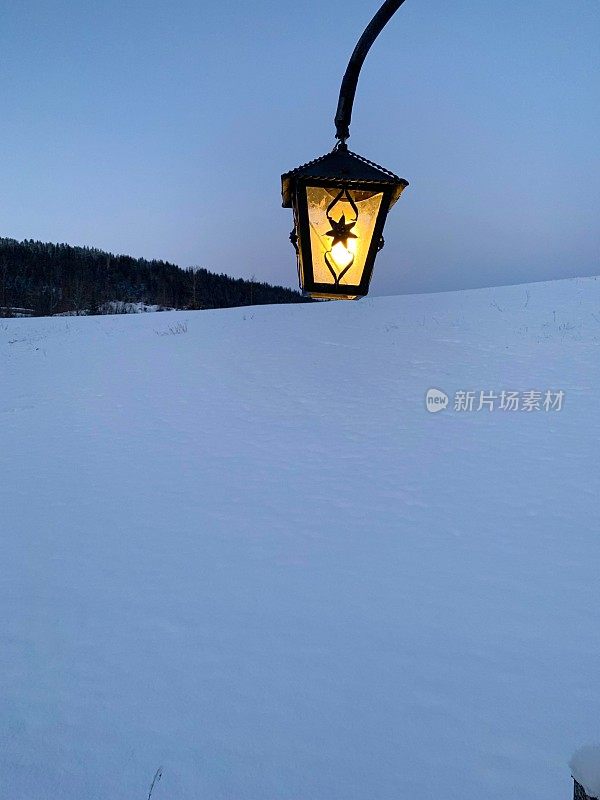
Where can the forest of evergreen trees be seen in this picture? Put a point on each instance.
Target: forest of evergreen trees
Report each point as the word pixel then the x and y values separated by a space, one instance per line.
pixel 42 279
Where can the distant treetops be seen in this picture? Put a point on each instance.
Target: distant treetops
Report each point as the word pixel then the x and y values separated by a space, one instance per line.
pixel 42 279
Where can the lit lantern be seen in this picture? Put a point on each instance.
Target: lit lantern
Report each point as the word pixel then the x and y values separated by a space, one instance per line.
pixel 340 204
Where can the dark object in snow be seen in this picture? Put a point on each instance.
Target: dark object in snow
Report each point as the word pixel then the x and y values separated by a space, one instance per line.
pixel 155 780
pixel 579 792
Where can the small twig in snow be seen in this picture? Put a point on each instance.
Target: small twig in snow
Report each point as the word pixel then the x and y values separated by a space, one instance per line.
pixel 155 780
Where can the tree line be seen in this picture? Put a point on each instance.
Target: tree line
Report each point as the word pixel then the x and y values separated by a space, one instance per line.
pixel 41 279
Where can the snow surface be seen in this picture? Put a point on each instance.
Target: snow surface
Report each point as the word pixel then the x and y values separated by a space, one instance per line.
pixel 585 768
pixel 236 545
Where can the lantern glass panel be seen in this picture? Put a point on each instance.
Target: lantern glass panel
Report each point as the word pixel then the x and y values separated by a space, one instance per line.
pixel 342 222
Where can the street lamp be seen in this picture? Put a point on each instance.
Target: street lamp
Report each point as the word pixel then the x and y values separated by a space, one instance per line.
pixel 341 200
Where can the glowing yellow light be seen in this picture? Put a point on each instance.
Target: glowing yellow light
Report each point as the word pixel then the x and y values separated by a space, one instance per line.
pixel 351 255
pixel 342 256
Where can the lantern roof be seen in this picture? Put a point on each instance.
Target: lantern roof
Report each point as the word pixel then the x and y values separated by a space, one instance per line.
pixel 341 164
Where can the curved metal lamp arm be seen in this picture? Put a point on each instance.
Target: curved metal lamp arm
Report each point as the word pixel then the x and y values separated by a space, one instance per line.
pixel 350 79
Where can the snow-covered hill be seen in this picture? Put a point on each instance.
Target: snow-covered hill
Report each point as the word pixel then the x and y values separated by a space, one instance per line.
pixel 236 545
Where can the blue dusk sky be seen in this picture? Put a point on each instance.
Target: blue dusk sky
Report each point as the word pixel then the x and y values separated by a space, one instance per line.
pixel 161 129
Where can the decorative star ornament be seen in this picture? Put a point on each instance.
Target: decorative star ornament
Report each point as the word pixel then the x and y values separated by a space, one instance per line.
pixel 341 231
